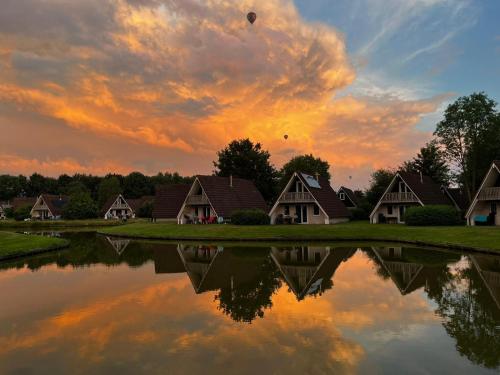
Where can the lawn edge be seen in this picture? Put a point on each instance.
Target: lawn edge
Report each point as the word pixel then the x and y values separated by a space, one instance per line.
pixel 16 255
pixel 449 246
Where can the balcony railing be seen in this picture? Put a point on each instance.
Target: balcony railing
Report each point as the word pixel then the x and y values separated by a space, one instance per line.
pixel 399 197
pixel 296 197
pixel 197 199
pixel 119 205
pixel 489 194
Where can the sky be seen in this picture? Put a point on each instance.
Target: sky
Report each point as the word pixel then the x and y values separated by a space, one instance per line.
pixel 100 86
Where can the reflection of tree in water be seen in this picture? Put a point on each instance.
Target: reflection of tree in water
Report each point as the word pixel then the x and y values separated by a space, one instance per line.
pixel 246 301
pixel 470 317
pixel 465 304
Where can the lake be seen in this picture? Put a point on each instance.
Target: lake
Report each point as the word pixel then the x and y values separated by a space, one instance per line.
pixel 108 305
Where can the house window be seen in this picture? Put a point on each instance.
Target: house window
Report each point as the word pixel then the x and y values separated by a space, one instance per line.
pixel 342 196
pixel 196 211
pixel 402 187
pixel 494 208
pixel 206 211
pixel 299 187
pixel 389 210
pixel 316 210
pixel 287 210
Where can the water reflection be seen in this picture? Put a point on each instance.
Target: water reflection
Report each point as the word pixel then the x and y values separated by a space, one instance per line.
pixel 309 270
pixel 333 303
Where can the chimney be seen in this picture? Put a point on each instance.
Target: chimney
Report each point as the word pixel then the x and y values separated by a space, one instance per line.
pixel 231 180
pixel 317 176
pixel 421 177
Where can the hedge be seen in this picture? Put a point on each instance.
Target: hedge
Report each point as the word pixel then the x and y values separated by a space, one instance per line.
pixel 250 217
pixel 433 216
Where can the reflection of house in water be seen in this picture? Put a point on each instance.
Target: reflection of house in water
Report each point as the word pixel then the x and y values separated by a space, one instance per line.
pixel 167 259
pixel 119 244
pixel 308 270
pixel 489 270
pixel 411 269
pixel 213 268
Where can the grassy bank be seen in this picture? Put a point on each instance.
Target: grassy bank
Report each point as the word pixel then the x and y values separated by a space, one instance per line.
pixel 52 224
pixel 15 244
pixel 483 238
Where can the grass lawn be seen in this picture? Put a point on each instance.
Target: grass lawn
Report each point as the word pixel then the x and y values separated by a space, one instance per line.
pixel 12 224
pixel 13 244
pixel 487 238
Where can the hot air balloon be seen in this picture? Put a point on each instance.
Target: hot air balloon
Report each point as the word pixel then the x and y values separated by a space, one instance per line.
pixel 251 17
pixel 285 136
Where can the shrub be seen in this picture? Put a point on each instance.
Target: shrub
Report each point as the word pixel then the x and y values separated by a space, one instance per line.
pixel 250 217
pixel 432 216
pixel 146 210
pixel 21 213
pixel 359 214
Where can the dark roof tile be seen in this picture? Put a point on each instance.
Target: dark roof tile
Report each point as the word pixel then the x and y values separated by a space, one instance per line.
pixel 429 192
pixel 226 199
pixel 168 200
pixel 327 198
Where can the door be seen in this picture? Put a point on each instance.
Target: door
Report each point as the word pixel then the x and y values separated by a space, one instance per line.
pixel 402 210
pixel 494 213
pixel 301 212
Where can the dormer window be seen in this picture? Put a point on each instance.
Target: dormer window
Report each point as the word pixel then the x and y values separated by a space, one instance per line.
pixel 402 187
pixel 342 196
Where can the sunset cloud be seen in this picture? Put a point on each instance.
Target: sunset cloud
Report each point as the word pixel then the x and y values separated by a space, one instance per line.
pixel 184 78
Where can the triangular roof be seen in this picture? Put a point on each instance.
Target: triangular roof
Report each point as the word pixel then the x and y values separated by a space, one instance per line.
pixel 489 271
pixel 398 268
pixel 350 194
pixel 136 203
pixel 426 190
pixel 495 165
pixel 459 196
pixel 323 273
pixel 323 194
pixel 55 203
pixel 22 202
pixel 168 200
pixel 111 200
pixel 225 199
pixel 167 259
pixel 221 270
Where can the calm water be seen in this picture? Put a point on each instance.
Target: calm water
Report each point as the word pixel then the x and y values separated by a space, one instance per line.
pixel 118 306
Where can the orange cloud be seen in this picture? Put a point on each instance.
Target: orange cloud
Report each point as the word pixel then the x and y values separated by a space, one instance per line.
pixel 189 76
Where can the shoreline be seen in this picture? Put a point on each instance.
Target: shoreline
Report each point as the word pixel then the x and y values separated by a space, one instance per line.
pixel 444 246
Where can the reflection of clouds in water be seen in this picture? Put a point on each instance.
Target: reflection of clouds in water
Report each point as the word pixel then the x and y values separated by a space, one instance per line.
pixel 169 328
pixel 175 323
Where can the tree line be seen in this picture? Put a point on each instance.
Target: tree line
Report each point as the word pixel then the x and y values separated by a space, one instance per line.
pixel 465 143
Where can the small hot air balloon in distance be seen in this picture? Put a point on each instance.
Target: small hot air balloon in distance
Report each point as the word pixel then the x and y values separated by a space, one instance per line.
pixel 285 136
pixel 251 17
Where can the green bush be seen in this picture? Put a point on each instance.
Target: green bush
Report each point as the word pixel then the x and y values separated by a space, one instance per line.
pixel 21 213
pixel 359 214
pixel 146 210
pixel 432 216
pixel 250 217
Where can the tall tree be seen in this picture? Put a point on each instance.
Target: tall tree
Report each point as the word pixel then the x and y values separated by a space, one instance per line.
pixel 304 163
pixel 431 161
pixel 242 158
pixel 109 187
pixel 463 134
pixel 379 181
pixel 136 185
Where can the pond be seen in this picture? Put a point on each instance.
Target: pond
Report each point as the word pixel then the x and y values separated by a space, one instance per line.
pixel 108 305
